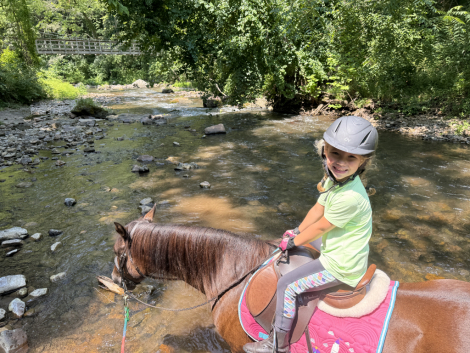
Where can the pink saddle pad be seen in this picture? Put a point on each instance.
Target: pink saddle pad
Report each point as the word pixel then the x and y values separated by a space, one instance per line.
pixel 330 334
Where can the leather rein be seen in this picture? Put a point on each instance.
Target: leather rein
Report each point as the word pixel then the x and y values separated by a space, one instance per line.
pixel 127 255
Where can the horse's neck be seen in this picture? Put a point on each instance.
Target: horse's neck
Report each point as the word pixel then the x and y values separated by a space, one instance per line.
pixel 229 258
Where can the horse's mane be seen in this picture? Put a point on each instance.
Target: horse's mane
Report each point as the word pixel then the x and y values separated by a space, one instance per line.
pixel 205 258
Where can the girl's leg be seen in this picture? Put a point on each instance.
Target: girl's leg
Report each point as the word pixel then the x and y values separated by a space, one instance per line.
pixel 309 277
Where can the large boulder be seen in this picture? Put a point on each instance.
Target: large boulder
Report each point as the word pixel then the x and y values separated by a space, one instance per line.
pixel 11 283
pixel 13 341
pixel 87 107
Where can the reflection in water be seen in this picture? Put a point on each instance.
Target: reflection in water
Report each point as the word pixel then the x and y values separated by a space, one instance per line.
pixel 263 174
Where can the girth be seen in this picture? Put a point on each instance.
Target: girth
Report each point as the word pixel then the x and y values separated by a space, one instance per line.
pixel 261 292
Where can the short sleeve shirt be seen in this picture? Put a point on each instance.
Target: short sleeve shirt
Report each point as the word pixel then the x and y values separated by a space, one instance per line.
pixel 345 249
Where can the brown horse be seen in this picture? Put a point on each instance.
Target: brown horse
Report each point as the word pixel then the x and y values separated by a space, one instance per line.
pixel 428 316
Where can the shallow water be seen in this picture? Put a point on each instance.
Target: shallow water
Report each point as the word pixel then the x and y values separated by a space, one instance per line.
pixel 263 174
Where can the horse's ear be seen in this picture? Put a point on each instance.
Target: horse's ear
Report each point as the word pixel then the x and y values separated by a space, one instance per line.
pixel 121 231
pixel 150 214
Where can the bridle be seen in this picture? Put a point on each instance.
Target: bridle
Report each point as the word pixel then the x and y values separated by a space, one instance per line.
pixel 126 254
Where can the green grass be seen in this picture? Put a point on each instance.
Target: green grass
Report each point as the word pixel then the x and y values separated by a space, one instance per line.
pixel 183 84
pixel 58 89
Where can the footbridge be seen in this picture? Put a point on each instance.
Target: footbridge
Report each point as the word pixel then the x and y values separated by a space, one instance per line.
pixel 84 46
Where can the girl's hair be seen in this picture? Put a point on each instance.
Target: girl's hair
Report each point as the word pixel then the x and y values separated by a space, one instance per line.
pixel 367 161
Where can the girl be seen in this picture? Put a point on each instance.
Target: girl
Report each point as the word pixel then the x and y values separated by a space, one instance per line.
pixel 341 219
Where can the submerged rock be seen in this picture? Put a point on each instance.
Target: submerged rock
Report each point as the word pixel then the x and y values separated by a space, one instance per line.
pixel 145 158
pixel 2 314
pixel 146 201
pixel 11 283
pixel 13 341
pixel 58 277
pixel 38 292
pixel 11 253
pixel 24 185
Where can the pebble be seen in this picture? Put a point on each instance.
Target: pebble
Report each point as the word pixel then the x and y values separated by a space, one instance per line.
pixel 145 209
pixel 12 242
pixel 24 184
pixel 36 236
pixel 2 314
pixel 205 185
pixel 30 313
pixel 14 341
pixel 17 307
pixel 11 253
pixel 21 293
pixel 58 277
pixel 11 283
pixel 55 232
pixel 70 202
pixel 59 163
pixel 56 246
pixel 89 149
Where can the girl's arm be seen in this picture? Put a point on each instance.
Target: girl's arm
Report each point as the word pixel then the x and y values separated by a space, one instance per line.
pixel 313 216
pixel 314 231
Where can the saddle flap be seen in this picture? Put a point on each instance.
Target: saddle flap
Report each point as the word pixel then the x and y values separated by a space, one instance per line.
pixel 261 290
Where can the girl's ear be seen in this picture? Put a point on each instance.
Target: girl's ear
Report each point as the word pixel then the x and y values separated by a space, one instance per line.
pixel 121 231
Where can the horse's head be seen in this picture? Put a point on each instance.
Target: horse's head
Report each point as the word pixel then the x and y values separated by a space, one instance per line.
pixel 124 266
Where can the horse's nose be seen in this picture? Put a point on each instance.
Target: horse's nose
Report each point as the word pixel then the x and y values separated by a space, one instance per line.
pixel 116 277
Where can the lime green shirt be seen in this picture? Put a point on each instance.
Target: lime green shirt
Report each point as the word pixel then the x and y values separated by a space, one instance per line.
pixel 345 249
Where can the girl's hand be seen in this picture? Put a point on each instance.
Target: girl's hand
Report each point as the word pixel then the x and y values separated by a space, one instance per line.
pixel 287 244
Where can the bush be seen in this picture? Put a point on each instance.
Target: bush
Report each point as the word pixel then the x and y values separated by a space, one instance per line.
pixel 57 89
pixel 18 83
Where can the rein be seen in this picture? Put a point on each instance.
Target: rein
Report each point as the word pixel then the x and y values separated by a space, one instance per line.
pixel 127 254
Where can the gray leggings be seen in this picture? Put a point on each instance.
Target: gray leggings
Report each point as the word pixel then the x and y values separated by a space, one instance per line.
pixel 288 289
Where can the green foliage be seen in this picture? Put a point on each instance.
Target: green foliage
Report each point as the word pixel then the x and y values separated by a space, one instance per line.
pixel 57 89
pixel 183 84
pixel 85 103
pixel 18 82
pixel 461 127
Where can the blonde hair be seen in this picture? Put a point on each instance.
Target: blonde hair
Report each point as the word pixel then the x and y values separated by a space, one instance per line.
pixel 322 145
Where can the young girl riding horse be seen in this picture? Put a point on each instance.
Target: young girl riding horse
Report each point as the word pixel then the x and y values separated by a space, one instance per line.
pixel 341 219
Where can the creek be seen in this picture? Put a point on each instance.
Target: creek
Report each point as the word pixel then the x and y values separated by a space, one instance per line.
pixel 263 174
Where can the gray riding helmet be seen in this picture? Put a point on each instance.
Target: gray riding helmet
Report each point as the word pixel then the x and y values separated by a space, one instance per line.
pixel 352 134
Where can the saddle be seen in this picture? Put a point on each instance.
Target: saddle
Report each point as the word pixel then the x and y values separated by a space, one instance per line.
pixel 261 292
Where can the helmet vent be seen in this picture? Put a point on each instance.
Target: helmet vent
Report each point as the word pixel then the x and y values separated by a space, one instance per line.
pixel 364 139
pixel 337 128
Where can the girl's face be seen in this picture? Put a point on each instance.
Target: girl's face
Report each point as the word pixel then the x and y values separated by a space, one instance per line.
pixel 342 164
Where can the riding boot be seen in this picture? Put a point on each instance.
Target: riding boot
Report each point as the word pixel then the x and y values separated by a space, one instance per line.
pixel 278 341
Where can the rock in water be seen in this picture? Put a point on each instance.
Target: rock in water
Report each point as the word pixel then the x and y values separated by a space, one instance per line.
pixel 205 185
pixel 13 233
pixel 55 246
pixel 13 341
pixel 37 236
pixel 145 158
pixel 38 292
pixel 2 314
pixel 24 184
pixel 215 129
pixel 140 169
pixel 58 277
pixel 11 283
pixel 11 253
pixel 146 201
pixel 167 90
pixel 55 232
pixel 13 242
pixel 17 307
pixel 70 202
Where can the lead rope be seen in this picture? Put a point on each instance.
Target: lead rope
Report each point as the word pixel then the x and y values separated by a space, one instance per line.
pixel 126 320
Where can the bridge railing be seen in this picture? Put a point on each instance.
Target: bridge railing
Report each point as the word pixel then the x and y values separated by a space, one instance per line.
pixel 84 46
